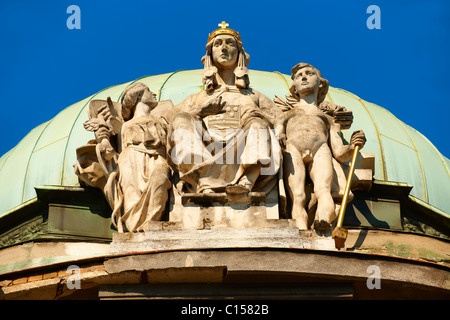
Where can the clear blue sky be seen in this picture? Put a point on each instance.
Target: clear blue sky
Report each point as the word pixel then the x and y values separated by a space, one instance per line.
pixel 45 67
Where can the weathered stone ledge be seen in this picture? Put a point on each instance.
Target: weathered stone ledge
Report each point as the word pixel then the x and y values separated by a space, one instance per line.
pixel 270 237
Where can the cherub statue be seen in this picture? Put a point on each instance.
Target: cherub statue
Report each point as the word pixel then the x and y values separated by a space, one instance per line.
pixel 312 143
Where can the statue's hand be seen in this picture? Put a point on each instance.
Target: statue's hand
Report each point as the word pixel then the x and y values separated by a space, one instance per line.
pixel 92 124
pixel 107 150
pixel 282 139
pixel 358 139
pixel 209 104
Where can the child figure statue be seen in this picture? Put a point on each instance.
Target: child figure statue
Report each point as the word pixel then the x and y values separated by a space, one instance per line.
pixel 312 139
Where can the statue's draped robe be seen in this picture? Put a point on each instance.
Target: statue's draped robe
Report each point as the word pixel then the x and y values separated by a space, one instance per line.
pixel 138 188
pixel 215 152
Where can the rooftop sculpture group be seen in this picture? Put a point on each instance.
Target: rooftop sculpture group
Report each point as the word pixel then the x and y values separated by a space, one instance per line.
pixel 227 140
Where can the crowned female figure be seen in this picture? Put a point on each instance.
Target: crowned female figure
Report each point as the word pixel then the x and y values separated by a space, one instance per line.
pixel 220 139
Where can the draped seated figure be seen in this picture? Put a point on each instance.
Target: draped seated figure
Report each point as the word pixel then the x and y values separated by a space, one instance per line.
pixel 220 139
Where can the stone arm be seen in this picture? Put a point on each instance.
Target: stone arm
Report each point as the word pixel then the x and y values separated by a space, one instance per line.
pixel 280 128
pixel 276 114
pixel 341 152
pixel 202 104
pixel 187 105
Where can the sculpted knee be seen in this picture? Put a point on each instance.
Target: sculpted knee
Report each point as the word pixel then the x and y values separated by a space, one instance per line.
pixel 258 124
pixel 161 177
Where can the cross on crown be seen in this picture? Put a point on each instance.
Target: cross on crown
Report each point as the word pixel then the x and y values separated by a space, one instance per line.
pixel 223 29
pixel 223 25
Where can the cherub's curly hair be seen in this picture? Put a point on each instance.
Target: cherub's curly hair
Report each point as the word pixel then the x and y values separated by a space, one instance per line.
pixel 210 71
pixel 323 90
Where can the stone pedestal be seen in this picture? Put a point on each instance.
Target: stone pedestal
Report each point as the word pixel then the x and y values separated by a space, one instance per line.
pixel 220 220
pixel 281 234
pixel 221 210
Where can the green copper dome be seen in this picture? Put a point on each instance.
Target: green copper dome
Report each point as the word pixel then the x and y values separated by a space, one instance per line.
pixel 46 155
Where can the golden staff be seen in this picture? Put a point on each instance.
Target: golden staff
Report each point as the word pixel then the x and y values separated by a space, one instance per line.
pixel 340 234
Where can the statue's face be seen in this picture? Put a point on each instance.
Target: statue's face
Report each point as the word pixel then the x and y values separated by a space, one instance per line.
pixel 149 98
pixel 306 81
pixel 90 171
pixel 224 51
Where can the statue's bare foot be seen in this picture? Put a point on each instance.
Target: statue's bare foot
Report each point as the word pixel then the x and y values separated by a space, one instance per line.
pixel 236 189
pixel 208 191
pixel 322 227
pixel 243 186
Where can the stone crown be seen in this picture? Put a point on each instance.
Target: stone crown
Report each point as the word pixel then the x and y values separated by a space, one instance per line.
pixel 224 30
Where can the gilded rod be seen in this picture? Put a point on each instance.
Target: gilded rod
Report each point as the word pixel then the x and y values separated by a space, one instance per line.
pixel 347 188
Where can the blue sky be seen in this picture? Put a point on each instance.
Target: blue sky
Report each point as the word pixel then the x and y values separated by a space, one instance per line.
pixel 45 67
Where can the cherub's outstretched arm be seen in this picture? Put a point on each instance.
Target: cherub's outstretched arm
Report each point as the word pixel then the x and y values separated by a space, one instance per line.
pixel 341 152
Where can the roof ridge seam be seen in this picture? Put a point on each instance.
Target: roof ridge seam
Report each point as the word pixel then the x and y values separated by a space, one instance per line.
pixel 165 81
pixel 31 155
pixel 376 130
